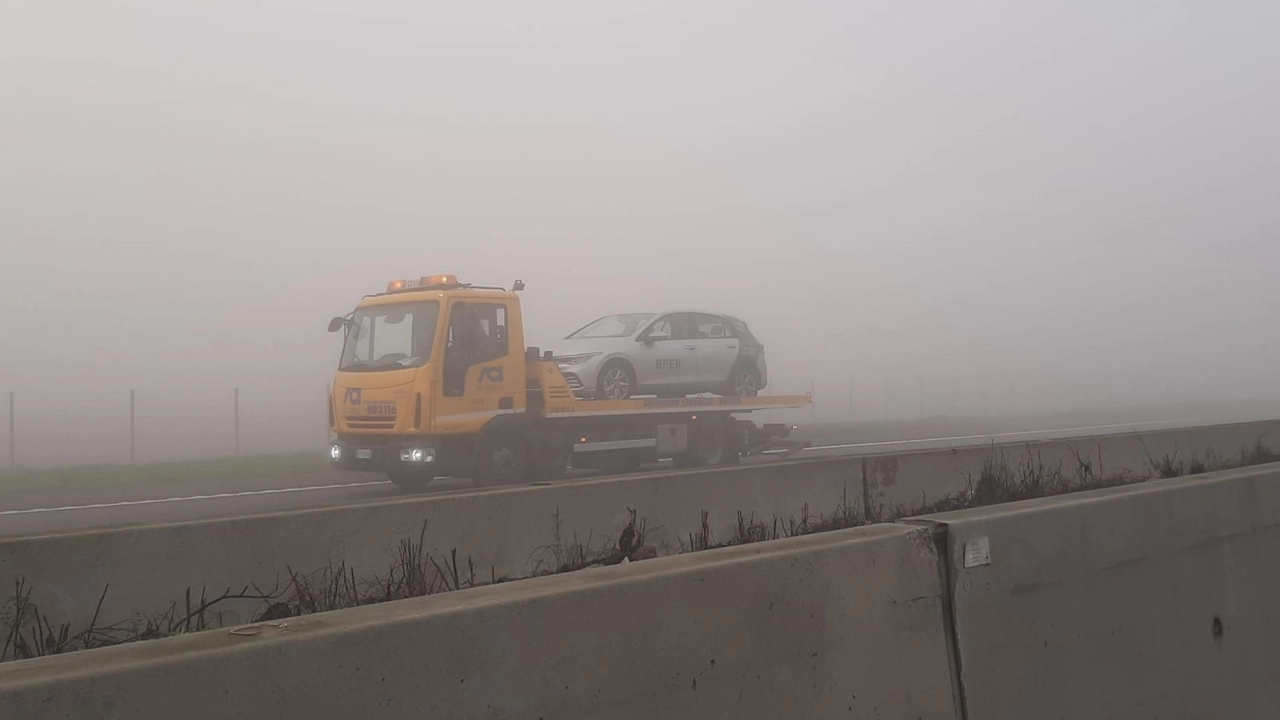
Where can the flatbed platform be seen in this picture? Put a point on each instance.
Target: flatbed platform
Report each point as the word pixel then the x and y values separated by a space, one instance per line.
pixel 657 406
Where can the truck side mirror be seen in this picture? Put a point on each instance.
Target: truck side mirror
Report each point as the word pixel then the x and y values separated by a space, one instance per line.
pixel 336 324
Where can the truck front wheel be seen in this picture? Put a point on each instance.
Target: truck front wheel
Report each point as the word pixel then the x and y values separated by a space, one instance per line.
pixel 502 458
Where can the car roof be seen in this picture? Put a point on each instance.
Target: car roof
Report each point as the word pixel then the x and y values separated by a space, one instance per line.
pixel 700 312
pixel 671 311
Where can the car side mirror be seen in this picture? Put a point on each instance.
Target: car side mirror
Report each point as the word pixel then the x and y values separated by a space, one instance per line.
pixel 336 324
pixel 652 338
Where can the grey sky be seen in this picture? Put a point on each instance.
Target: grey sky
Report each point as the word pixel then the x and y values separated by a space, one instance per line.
pixel 1071 199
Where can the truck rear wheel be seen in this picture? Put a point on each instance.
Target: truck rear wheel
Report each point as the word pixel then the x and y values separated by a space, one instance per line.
pixel 502 458
pixel 552 463
pixel 709 444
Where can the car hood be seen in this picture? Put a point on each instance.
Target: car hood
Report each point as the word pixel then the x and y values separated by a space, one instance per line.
pixel 577 346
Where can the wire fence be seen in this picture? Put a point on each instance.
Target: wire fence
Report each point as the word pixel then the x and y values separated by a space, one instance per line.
pixel 46 429
pixel 52 428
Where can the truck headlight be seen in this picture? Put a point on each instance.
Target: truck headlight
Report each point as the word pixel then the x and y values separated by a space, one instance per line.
pixel 417 455
pixel 335 452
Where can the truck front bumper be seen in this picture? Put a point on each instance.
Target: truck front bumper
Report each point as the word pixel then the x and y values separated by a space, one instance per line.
pixel 345 454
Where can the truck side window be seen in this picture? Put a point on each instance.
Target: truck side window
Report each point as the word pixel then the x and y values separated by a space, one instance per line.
pixel 490 332
pixel 455 351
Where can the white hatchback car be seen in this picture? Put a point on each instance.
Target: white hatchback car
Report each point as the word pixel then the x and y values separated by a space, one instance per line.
pixel 668 354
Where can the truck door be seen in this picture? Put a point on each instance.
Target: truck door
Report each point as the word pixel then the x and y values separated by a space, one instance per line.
pixel 482 375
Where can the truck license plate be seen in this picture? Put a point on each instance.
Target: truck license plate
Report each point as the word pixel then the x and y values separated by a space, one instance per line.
pixel 364 454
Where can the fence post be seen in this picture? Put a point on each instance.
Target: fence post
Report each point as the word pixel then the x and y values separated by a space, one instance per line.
pixel 133 432
pixel 13 452
pixel 236 402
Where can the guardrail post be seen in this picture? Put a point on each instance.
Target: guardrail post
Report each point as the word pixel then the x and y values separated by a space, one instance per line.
pixel 13 452
pixel 133 431
pixel 236 402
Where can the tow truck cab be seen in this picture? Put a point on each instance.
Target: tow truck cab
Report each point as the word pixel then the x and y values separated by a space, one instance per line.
pixel 435 380
pixel 425 367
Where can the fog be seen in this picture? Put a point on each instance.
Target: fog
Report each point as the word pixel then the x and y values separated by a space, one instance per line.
pixel 930 208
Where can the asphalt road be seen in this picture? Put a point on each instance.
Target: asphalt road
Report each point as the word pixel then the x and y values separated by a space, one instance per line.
pixel 334 488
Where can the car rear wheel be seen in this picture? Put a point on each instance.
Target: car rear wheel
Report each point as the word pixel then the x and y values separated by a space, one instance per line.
pixel 744 382
pixel 617 381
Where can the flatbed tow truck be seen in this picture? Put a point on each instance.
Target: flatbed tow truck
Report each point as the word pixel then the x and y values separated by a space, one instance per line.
pixel 435 381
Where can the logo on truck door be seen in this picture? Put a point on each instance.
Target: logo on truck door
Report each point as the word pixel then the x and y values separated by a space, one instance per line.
pixel 490 378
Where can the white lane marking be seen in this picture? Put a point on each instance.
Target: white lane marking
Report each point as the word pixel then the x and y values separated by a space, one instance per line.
pixel 990 436
pixel 158 501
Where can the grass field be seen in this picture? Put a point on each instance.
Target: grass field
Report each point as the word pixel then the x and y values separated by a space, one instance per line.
pixel 241 472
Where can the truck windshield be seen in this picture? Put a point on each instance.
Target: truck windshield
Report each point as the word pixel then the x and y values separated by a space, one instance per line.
pixel 611 326
pixel 390 337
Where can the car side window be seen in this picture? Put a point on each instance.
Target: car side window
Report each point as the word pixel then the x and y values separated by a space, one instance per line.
pixel 711 327
pixel 661 326
pixel 683 326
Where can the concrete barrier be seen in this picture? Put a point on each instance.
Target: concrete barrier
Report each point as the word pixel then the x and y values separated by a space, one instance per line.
pixel 1148 601
pixel 906 480
pixel 510 531
pixel 841 624
pixel 504 531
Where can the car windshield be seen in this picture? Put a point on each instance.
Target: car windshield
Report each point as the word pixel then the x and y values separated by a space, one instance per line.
pixel 390 337
pixel 611 326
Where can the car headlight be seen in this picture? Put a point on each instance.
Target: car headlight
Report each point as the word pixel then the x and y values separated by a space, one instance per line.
pixel 576 359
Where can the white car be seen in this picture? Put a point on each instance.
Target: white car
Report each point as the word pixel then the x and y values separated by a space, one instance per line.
pixel 669 354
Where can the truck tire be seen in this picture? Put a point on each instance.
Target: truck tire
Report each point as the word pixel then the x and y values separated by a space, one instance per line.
pixel 551 464
pixel 501 458
pixel 709 445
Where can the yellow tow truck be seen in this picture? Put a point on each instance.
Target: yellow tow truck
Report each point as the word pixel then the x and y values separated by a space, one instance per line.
pixel 435 380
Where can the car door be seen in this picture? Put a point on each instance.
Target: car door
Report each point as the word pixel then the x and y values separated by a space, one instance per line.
pixel 717 350
pixel 666 357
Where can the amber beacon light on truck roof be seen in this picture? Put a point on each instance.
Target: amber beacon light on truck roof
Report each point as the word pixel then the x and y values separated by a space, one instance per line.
pixel 441 282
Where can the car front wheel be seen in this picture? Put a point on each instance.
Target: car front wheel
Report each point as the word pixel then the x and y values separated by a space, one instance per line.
pixel 617 382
